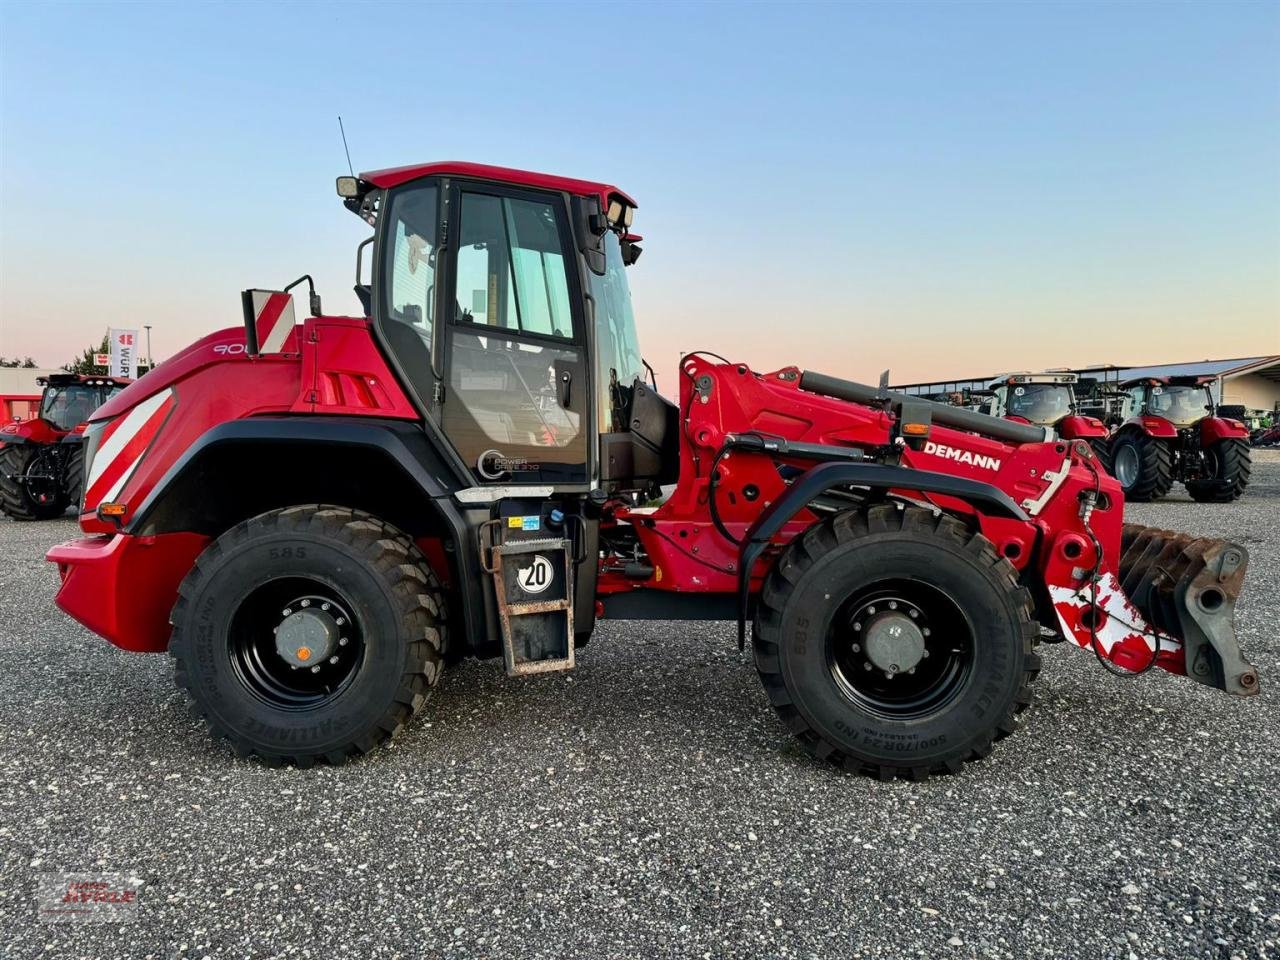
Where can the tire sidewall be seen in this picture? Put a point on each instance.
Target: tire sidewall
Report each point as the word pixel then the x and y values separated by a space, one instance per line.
pixel 229 580
pixel 989 692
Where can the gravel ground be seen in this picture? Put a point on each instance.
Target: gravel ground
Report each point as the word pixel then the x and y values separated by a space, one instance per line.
pixel 648 804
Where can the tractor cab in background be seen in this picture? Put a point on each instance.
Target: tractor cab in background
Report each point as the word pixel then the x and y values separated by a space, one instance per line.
pixel 1047 400
pixel 1169 432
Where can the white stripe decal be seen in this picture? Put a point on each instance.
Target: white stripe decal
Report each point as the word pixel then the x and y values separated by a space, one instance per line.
pixel 119 484
pixel 134 420
pixel 275 340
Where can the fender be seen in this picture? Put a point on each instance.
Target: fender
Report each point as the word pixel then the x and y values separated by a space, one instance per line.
pixel 400 446
pixel 1077 427
pixel 34 430
pixel 983 497
pixel 1213 429
pixel 1152 426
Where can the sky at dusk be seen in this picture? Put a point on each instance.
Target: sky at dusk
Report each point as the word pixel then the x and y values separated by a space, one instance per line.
pixel 939 189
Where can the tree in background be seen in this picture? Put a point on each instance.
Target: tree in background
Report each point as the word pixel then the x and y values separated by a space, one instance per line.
pixel 26 363
pixel 85 364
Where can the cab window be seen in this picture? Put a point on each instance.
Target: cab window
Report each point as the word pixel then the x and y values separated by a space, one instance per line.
pixel 511 269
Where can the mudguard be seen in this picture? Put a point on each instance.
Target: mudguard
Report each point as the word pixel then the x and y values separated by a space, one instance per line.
pixel 1077 427
pixel 1151 425
pixel 1213 429
pixel 982 496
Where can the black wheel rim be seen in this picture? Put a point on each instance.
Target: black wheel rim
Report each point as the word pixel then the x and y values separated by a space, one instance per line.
pixel 267 672
pixel 900 649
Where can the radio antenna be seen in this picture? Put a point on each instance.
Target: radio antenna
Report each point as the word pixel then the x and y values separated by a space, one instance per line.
pixel 343 131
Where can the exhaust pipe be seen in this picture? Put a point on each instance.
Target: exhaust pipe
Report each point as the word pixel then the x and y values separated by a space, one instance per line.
pixel 945 414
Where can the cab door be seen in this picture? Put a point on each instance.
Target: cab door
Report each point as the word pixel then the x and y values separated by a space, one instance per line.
pixel 517 393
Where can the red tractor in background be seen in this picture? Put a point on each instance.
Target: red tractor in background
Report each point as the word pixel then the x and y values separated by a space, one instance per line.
pixel 1167 432
pixel 1048 400
pixel 314 519
pixel 42 459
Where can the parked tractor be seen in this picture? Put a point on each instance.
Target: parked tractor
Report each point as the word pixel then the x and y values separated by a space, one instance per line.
pixel 315 518
pixel 1170 434
pixel 42 459
pixel 1048 400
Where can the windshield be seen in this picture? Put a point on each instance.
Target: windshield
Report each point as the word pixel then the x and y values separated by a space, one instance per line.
pixel 1041 403
pixel 1178 404
pixel 65 407
pixel 617 348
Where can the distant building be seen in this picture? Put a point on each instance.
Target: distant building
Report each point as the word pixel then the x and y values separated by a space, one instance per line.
pixel 1250 382
pixel 19 392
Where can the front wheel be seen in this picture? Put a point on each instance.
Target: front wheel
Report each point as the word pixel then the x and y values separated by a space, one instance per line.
pixel 1228 464
pixel 895 642
pixel 308 633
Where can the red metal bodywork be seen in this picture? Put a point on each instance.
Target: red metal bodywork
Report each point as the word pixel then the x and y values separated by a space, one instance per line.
pixel 123 587
pixel 330 366
pixel 394 176
pixel 1078 427
pixel 34 430
pixel 1213 429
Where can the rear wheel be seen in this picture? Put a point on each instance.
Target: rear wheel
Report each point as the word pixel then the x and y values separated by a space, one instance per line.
pixel 1228 463
pixel 308 633
pixel 1143 465
pixel 895 642
pixel 1102 451
pixel 30 488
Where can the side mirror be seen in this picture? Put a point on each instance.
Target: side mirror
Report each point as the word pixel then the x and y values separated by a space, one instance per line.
pixel 630 252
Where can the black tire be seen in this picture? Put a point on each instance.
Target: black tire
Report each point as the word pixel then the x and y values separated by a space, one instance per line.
pixel 1143 465
pixel 16 498
pixel 379 677
pixel 1232 463
pixel 73 475
pixel 1101 450
pixel 801 650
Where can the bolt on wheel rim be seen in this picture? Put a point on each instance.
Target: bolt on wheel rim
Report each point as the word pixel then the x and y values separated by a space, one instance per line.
pixel 294 643
pixel 900 649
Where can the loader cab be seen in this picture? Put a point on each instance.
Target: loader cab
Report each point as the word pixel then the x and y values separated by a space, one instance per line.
pixel 501 298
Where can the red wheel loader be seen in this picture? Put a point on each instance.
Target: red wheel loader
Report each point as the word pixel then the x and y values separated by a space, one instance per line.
pixel 315 518
pixel 1048 400
pixel 42 459
pixel 1170 433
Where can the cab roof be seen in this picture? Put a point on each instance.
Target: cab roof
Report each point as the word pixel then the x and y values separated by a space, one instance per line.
pixel 1175 381
pixel 393 176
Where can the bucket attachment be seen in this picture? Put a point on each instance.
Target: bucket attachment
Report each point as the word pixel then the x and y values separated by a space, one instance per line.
pixel 533 582
pixel 1170 606
pixel 1187 587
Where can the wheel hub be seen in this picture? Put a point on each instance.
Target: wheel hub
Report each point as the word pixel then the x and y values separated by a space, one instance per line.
pixel 894 643
pixel 307 637
pixel 1126 465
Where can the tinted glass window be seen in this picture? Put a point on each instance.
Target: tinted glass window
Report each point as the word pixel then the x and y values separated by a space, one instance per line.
pixel 408 279
pixel 511 268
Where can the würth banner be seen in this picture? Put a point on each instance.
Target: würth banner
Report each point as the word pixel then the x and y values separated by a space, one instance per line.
pixel 124 353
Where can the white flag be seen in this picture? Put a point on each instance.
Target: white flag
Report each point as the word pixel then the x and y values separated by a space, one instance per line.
pixel 124 353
